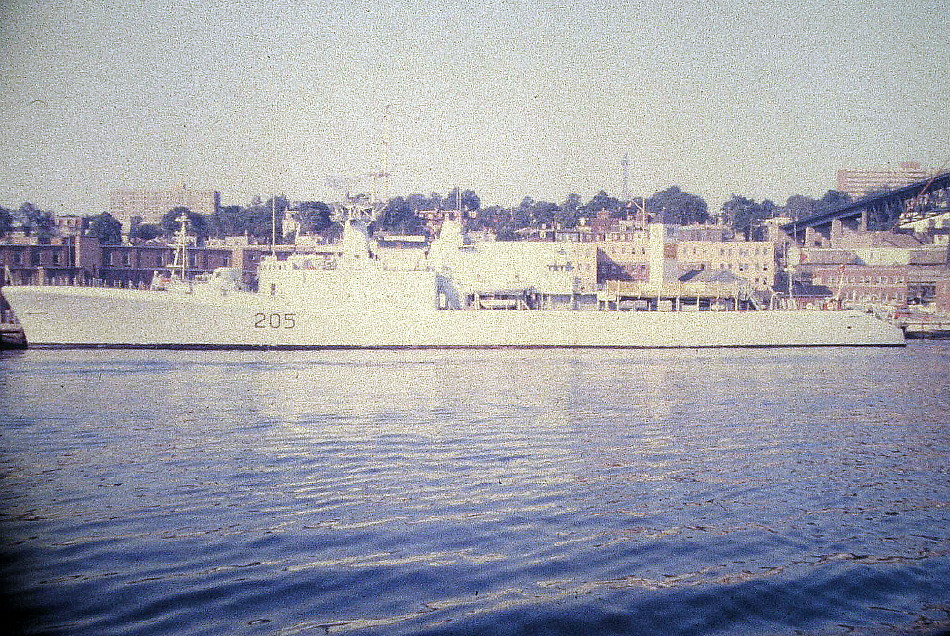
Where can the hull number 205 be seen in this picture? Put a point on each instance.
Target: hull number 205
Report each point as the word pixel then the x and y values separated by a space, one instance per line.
pixel 274 321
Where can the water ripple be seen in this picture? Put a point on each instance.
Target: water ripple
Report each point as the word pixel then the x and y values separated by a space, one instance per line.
pixel 487 492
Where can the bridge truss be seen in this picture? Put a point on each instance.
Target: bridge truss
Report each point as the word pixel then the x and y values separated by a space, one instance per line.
pixel 892 210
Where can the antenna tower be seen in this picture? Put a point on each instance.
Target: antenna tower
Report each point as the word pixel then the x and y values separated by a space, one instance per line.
pixel 387 143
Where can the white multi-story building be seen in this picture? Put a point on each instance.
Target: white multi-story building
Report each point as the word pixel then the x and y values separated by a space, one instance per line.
pixel 132 207
pixel 751 260
pixel 858 183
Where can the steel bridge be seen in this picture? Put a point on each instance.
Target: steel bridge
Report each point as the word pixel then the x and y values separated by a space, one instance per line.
pixel 890 210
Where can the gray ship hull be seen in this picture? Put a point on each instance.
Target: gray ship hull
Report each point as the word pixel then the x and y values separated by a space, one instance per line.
pixel 119 318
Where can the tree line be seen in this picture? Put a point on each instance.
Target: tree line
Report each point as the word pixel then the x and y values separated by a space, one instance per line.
pixel 672 205
pixel 402 214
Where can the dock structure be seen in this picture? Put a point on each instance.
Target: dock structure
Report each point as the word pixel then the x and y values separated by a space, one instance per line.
pixel 11 336
pixel 922 328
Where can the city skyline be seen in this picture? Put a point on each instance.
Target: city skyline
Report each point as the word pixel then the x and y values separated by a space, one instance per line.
pixel 764 101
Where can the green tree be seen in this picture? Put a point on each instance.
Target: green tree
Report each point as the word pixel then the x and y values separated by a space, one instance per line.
pixel 197 223
pixel 399 217
pixel 798 206
pixel 469 200
pixel 675 206
pixel 258 219
pixel 104 227
pixel 6 221
pixel 313 216
pixel 145 231
pixel 539 213
pixel 745 215
pixel 35 221
pixel 227 221
pixel 602 201
pixel 831 200
pixel 570 210
pixel 490 218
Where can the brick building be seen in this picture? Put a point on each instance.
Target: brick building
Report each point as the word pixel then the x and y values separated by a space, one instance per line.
pixel 62 261
pixel 864 283
pixel 881 275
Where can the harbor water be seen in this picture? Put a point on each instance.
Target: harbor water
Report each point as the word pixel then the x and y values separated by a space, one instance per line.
pixel 778 491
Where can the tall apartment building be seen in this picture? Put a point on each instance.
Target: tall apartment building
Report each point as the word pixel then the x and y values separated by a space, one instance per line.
pixel 149 206
pixel 858 183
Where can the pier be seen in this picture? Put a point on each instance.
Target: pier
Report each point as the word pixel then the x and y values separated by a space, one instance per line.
pixel 11 336
pixel 921 328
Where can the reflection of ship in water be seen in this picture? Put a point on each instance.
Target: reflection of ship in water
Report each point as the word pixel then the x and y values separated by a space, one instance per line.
pixel 451 299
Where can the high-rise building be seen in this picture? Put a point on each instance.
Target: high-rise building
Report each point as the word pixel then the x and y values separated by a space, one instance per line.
pixel 149 206
pixel 858 183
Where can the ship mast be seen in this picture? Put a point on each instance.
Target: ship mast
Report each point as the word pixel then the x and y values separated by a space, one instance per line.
pixel 180 264
pixel 273 225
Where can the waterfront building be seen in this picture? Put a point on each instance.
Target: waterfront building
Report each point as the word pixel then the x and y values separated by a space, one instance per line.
pixel 68 224
pixel 81 260
pixel 874 272
pixel 61 261
pixel 133 207
pixel 858 183
pixel 865 284
pixel 623 255
pixel 433 219
pixel 622 251
pixel 753 261
pixel 135 265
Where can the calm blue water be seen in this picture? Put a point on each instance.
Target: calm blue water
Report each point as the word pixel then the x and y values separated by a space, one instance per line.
pixel 495 492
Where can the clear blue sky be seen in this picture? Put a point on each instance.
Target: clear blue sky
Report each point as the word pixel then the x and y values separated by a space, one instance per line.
pixel 544 98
